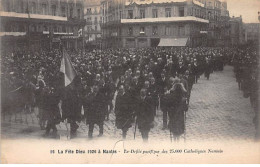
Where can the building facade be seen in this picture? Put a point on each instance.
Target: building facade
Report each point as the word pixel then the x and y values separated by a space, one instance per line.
pixel 252 32
pixel 237 31
pixel 42 23
pixel 224 9
pixel 93 19
pixel 213 8
pixel 224 38
pixel 144 23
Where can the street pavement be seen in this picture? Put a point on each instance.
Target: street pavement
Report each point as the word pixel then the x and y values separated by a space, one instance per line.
pixel 218 111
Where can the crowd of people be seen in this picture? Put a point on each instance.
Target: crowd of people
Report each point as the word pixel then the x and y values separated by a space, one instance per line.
pixel 246 71
pixel 134 83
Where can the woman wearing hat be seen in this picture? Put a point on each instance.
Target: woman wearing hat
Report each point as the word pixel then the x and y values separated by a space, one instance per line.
pixel 176 110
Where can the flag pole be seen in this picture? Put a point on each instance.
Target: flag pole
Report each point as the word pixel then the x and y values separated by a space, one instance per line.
pixel 135 127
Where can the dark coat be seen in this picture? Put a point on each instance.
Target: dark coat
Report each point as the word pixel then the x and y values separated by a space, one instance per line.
pixel 40 98
pixel 52 109
pixel 176 113
pixel 184 81
pixel 181 69
pixel 171 70
pixel 104 90
pixel 94 107
pixel 123 111
pixel 145 115
pixel 153 90
pixel 161 84
pixel 207 68
pixel 136 87
pixel 111 89
pixel 71 104
pixel 163 103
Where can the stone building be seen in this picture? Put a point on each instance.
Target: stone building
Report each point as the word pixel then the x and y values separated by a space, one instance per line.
pixel 237 31
pixel 213 8
pixel 224 38
pixel 145 23
pixel 93 19
pixel 41 23
pixel 252 32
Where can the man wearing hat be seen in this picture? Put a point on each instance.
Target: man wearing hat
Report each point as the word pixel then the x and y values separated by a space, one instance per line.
pixel 123 111
pixel 144 114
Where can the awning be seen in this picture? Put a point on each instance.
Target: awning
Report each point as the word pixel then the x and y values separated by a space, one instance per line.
pixel 32 16
pixel 173 42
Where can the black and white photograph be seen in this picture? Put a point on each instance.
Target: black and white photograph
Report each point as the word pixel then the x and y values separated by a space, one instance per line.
pixel 130 81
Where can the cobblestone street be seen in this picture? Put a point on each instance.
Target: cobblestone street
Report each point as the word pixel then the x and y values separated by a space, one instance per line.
pixel 217 112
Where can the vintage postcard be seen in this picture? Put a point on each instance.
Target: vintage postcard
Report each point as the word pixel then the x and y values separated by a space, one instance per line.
pixel 130 81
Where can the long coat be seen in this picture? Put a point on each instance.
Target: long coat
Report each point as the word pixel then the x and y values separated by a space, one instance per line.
pixel 52 110
pixel 207 69
pixel 95 108
pixel 145 115
pixel 176 114
pixel 161 84
pixel 124 112
pixel 71 105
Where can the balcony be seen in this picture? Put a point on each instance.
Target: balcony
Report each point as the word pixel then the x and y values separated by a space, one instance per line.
pixel 164 19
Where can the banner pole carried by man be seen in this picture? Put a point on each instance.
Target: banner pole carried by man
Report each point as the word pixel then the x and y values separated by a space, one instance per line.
pixel 72 95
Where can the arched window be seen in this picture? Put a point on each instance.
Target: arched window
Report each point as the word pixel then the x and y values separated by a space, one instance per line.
pixel 21 28
pixel 55 29
pixel 63 11
pixel 45 28
pixel 8 6
pixel 7 28
pixel 78 14
pixel 44 9
pixel 71 12
pixel 53 10
pixel 33 28
pixel 63 29
pixel 21 7
pixel 33 8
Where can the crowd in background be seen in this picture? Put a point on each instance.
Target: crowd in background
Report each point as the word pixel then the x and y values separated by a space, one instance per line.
pixel 143 80
pixel 246 69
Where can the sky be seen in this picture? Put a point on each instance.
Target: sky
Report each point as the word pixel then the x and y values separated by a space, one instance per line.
pixel 247 8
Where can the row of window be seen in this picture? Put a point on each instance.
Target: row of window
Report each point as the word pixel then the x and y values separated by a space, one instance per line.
pixel 89 19
pixel 95 10
pixel 43 9
pixel 36 28
pixel 168 30
pixel 168 13
pixel 213 15
pixel 216 4
pixel 90 29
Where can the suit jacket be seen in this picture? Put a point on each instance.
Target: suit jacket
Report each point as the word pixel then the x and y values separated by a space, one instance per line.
pixel 145 114
pixel 123 111
pixel 71 104
pixel 95 108
pixel 161 84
